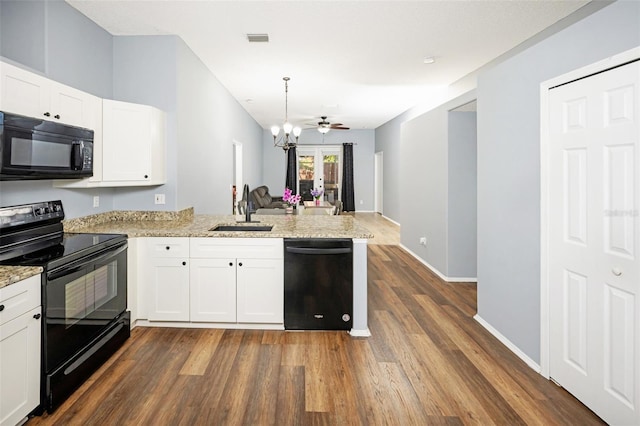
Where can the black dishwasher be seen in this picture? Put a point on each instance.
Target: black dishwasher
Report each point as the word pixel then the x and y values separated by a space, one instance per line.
pixel 318 284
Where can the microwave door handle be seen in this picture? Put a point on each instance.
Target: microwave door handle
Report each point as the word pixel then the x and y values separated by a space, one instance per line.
pixel 80 263
pixel 76 155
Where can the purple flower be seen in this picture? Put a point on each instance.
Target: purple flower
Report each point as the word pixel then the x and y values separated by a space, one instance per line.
pixel 316 193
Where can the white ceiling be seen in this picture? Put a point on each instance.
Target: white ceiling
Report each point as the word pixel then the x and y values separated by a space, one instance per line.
pixel 358 62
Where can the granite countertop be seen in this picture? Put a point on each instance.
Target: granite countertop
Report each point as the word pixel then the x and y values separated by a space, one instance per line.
pixel 187 224
pixel 13 274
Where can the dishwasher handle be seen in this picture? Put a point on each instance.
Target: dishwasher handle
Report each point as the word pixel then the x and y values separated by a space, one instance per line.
pixel 314 250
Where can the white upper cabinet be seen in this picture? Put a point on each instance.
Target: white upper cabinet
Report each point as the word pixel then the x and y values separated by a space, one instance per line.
pixel 25 93
pixel 133 144
pixel 129 139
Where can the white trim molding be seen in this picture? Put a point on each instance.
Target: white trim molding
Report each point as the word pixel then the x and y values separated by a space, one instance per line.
pixel 438 273
pixel 390 220
pixel 513 348
pixel 545 86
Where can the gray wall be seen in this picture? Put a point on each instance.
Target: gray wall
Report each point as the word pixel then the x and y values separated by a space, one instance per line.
pixel 462 203
pixel 274 161
pixel 509 166
pixel 55 40
pixel 209 121
pixel 387 139
pixel 433 179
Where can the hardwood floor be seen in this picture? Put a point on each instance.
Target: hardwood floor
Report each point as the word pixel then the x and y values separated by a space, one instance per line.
pixel 385 231
pixel 427 363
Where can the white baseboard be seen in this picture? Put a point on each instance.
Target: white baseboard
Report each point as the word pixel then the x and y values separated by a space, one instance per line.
pixel 438 273
pixel 230 326
pixel 390 220
pixel 513 348
pixel 360 333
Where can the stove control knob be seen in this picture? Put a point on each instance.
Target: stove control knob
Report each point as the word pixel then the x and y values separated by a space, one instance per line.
pixel 1 308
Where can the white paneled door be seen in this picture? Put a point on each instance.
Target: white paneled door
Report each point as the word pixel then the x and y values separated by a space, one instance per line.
pixel 594 241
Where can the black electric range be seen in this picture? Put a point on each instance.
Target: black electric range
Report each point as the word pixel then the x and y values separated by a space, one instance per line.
pixel 84 293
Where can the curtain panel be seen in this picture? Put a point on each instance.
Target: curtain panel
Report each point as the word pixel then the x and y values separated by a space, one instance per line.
pixel 348 197
pixel 291 180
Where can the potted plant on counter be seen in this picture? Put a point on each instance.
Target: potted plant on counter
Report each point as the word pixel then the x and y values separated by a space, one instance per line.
pixel 290 200
pixel 316 194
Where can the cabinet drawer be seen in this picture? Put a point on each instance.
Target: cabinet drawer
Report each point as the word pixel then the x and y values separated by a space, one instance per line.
pixel 248 248
pixel 18 298
pixel 168 247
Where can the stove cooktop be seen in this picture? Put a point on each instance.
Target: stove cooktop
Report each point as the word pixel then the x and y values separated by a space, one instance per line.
pixel 71 246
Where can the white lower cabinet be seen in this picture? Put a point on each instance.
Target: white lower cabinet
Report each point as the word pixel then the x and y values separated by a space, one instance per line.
pixel 260 291
pixel 20 331
pixel 167 279
pixel 213 290
pixel 237 280
pixel 211 280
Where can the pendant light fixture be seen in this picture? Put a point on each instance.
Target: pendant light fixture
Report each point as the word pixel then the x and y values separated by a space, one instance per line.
pixel 291 134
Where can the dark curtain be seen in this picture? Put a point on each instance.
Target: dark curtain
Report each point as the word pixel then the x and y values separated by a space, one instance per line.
pixel 291 181
pixel 348 197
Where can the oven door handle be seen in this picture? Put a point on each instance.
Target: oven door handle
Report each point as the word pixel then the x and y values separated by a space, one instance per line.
pixel 84 261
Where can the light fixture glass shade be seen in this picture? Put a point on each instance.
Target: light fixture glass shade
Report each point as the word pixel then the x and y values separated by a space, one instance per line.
pixel 297 131
pixel 323 130
pixel 287 127
pixel 275 130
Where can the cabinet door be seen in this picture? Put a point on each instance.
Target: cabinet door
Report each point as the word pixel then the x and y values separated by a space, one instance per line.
pixel 23 92
pixel 72 106
pixel 213 290
pixel 168 289
pixel 126 141
pixel 260 286
pixel 19 367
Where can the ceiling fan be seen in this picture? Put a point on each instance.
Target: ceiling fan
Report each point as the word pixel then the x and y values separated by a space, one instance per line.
pixel 324 126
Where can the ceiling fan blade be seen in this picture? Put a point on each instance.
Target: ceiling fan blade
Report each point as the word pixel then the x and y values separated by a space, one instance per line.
pixel 339 128
pixel 336 124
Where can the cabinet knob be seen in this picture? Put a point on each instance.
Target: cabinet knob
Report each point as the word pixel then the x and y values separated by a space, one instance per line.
pixel 146 176
pixel 37 316
pixel 184 263
pixel 57 116
pixel 616 271
pixel 230 263
pixel 168 248
pixel 240 264
pixel 1 308
pixel 47 114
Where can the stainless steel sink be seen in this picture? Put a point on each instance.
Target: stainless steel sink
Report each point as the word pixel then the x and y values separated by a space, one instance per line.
pixel 242 228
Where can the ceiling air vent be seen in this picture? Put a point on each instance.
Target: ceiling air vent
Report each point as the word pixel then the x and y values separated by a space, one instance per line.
pixel 258 38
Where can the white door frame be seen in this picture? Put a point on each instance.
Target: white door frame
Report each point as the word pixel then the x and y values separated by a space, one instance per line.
pixel 378 179
pixel 318 151
pixel 545 86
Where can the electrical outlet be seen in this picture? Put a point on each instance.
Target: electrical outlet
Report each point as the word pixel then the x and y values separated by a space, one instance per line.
pixel 159 198
pixel 96 201
pixel 423 241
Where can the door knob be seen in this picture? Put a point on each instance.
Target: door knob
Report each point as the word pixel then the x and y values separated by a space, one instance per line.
pixel 617 272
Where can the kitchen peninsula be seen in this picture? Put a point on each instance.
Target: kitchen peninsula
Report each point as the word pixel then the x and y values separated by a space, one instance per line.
pixel 175 240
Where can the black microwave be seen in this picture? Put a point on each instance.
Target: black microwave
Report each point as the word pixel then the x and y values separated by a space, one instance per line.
pixel 31 148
